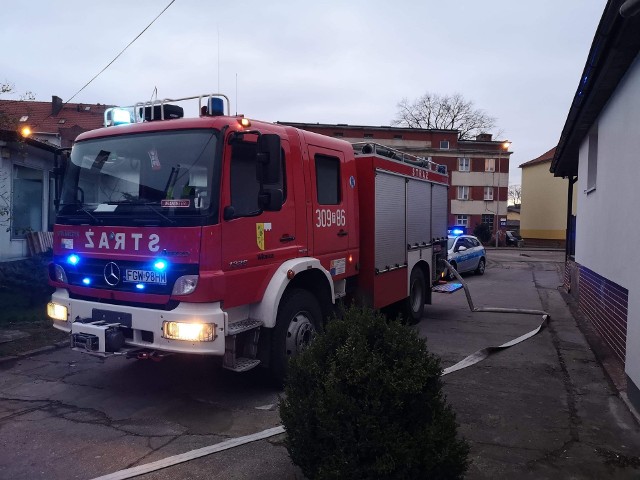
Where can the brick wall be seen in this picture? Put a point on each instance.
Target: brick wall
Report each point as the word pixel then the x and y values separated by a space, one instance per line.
pixel 605 303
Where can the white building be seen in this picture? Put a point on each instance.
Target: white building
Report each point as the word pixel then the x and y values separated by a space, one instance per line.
pixel 26 165
pixel 599 153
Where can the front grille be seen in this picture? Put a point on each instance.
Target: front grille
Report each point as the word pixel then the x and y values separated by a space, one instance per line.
pixel 90 272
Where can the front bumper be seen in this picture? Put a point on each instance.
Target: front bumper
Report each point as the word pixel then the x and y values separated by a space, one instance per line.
pixel 146 324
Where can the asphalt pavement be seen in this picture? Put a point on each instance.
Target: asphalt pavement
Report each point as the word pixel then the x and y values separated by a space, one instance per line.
pixel 543 409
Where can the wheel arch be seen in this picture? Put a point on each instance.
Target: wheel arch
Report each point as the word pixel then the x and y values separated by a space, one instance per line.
pixel 308 274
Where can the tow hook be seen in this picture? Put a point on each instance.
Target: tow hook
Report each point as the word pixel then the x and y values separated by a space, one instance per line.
pixel 149 355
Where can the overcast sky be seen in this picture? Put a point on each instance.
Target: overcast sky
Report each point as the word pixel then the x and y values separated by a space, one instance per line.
pixel 320 61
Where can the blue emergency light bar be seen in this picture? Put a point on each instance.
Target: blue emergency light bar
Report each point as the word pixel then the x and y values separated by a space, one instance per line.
pixel 216 106
pixel 457 230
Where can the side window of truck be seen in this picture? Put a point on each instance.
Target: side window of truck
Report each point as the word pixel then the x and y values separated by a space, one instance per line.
pixel 328 179
pixel 244 181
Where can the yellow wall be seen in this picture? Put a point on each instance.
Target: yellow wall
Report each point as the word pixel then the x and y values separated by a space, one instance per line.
pixel 543 213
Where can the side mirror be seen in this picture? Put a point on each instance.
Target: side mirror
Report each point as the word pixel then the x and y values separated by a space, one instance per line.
pixel 229 213
pixel 461 248
pixel 269 166
pixel 270 199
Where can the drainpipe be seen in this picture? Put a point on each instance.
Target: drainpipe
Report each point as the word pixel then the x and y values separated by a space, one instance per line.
pixel 567 243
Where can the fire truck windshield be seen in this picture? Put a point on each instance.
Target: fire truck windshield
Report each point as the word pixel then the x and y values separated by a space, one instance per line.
pixel 164 177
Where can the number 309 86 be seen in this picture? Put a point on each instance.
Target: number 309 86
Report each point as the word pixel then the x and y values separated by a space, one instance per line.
pixel 328 218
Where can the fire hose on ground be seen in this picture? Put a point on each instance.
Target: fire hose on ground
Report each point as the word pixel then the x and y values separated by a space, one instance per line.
pixel 235 442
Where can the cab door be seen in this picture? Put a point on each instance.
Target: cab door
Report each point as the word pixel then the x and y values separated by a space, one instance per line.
pixel 254 243
pixel 332 221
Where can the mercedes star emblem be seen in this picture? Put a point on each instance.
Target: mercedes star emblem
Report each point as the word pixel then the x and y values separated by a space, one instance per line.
pixel 111 274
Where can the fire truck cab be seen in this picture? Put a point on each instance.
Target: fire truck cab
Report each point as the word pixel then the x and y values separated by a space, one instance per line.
pixel 220 235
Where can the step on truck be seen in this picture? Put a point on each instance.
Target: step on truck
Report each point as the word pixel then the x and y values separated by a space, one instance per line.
pixel 224 236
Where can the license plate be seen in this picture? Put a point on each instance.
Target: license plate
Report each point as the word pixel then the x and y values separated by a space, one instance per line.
pixel 145 276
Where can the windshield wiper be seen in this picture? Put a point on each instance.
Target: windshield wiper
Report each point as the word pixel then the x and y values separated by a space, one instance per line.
pixel 137 201
pixel 155 210
pixel 96 220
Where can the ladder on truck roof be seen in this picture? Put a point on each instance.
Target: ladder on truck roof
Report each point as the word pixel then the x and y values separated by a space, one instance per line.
pixel 368 148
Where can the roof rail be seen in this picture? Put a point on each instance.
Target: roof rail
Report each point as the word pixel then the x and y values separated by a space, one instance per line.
pixel 157 107
pixel 368 148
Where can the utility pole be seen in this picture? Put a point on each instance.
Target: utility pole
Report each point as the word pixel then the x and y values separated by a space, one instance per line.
pixel 505 146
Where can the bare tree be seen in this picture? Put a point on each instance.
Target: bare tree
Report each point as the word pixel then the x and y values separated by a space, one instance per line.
pixel 448 112
pixel 515 194
pixel 7 122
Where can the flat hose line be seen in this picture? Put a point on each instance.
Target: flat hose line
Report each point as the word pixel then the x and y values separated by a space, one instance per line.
pixel 270 432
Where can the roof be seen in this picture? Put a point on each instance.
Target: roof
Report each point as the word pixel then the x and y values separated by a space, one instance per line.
pixel 616 44
pixel 302 125
pixel 69 120
pixel 545 157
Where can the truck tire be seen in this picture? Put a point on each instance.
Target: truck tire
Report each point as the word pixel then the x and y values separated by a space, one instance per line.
pixel 414 303
pixel 299 318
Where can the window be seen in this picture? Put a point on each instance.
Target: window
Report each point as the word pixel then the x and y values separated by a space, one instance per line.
pixel 489 164
pixel 488 193
pixel 26 215
pixel 463 193
pixel 467 242
pixel 444 144
pixel 487 219
pixel 338 134
pixel 462 220
pixel 244 183
pixel 464 164
pixel 328 180
pixel 397 137
pixel 592 161
pixel 368 135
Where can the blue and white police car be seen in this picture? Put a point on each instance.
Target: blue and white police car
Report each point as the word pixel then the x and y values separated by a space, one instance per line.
pixel 466 253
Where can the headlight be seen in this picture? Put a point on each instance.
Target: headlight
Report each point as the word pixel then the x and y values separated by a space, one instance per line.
pixel 57 311
pixel 185 285
pixel 193 332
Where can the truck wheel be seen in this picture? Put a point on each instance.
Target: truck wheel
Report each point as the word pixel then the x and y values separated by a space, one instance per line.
pixel 481 266
pixel 414 303
pixel 299 318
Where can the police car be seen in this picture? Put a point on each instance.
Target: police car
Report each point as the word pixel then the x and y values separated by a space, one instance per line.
pixel 466 254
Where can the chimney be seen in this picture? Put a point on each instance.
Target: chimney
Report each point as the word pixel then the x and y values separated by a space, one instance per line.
pixel 484 137
pixel 56 105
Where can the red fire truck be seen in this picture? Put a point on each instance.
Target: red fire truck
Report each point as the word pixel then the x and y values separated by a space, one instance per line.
pixel 220 235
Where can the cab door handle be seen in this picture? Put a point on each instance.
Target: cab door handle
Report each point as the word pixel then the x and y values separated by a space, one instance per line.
pixel 287 238
pixel 342 233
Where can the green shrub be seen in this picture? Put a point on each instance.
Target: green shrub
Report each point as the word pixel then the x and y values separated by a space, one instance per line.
pixel 483 232
pixel 365 401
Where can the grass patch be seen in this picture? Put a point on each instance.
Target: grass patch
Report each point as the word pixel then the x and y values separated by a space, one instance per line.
pixel 24 293
pixel 41 334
